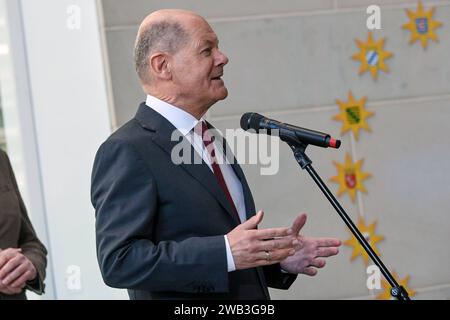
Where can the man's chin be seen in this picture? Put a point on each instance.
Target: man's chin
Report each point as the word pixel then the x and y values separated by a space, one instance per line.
pixel 223 94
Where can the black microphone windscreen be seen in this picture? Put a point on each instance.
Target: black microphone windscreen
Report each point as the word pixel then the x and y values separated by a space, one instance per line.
pixel 251 120
pixel 255 121
pixel 245 120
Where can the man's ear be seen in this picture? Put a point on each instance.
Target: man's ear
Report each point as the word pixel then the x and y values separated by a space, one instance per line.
pixel 159 64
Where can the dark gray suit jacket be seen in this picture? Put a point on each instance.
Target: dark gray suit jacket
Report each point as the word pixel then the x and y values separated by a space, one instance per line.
pixel 160 226
pixel 16 230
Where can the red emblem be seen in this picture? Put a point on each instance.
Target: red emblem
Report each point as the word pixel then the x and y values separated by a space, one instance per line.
pixel 350 180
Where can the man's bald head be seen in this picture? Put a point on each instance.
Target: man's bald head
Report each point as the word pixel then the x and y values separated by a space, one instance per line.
pixel 163 31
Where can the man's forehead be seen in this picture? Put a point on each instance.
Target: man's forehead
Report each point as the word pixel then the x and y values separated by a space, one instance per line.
pixel 199 26
pixel 204 35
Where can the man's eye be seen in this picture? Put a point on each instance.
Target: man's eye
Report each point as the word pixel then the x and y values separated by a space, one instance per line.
pixel 207 51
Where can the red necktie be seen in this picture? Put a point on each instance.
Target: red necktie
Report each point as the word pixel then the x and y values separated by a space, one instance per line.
pixel 207 141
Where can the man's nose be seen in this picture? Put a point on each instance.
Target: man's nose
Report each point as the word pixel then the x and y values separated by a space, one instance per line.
pixel 222 59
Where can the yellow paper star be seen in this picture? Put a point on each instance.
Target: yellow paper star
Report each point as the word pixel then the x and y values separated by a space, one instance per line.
pixel 350 177
pixel 386 295
pixel 353 115
pixel 422 25
pixel 372 56
pixel 369 234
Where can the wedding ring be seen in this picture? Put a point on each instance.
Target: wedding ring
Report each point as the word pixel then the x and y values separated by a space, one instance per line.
pixel 268 257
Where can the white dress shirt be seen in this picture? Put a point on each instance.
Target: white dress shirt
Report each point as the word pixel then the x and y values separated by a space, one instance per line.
pixel 185 122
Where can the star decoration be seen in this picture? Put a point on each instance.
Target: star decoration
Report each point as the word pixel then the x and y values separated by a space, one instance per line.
pixel 386 294
pixel 368 231
pixel 350 177
pixel 353 115
pixel 422 25
pixel 372 56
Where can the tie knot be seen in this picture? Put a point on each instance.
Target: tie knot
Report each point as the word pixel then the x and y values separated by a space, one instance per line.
pixel 202 129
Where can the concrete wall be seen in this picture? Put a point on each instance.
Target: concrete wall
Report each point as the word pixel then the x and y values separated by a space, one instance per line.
pixel 290 60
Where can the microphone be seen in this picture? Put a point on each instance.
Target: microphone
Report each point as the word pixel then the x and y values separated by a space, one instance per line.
pixel 288 132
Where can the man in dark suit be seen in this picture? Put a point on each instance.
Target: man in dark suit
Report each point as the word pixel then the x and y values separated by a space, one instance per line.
pixel 168 230
pixel 22 255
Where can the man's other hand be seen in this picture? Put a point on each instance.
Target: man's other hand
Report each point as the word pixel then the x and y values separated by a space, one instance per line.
pixel 309 251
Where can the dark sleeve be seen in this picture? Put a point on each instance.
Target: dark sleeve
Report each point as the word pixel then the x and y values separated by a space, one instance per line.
pixel 277 279
pixel 31 247
pixel 125 197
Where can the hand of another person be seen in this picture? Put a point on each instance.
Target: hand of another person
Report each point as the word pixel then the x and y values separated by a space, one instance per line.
pixel 4 255
pixel 309 251
pixel 251 248
pixel 15 270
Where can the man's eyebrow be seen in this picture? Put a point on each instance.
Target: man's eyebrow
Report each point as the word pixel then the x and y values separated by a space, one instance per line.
pixel 210 42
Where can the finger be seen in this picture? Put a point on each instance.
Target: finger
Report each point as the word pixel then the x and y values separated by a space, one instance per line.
pixel 11 250
pixel 280 254
pixel 9 291
pixel 8 254
pixel 327 252
pixel 13 275
pixel 280 243
pixel 272 233
pixel 318 263
pixel 275 257
pixel 310 271
pixel 253 222
pixel 328 242
pixel 9 266
pixel 298 223
pixel 20 282
pixel 3 260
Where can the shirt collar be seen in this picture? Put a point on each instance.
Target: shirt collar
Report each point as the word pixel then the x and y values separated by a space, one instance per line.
pixel 180 119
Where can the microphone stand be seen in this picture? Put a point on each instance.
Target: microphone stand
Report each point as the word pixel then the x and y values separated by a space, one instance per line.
pixel 299 148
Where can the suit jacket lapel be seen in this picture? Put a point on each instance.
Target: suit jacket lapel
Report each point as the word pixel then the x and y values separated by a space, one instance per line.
pixel 197 168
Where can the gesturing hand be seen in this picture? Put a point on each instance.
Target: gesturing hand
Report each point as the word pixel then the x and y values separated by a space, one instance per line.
pixel 309 251
pixel 15 270
pixel 250 247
